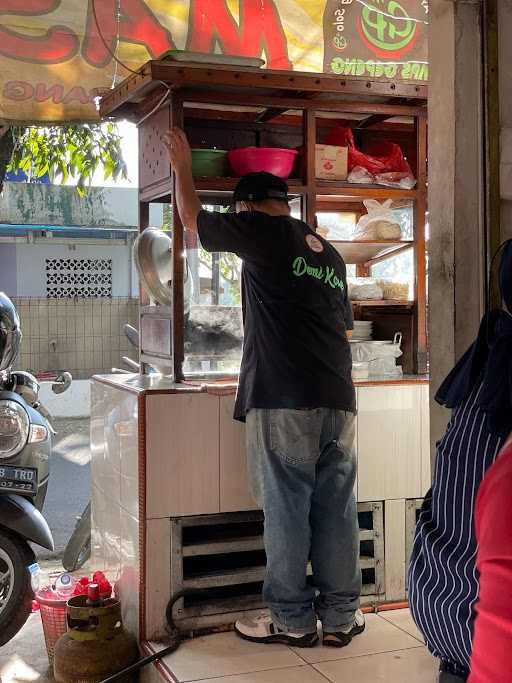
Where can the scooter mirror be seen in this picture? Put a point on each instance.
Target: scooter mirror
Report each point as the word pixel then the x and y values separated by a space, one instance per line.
pixel 62 383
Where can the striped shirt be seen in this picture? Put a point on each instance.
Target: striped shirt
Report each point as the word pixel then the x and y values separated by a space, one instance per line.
pixel 443 582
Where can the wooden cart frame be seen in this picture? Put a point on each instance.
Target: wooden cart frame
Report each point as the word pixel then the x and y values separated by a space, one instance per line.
pixel 162 94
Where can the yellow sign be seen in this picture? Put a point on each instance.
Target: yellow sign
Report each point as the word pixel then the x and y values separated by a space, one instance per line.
pixel 57 58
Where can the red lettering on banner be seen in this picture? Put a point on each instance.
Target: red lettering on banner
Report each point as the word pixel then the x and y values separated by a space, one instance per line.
pixel 57 45
pixel 18 91
pixel 77 94
pixel 44 92
pixel 137 24
pixel 260 29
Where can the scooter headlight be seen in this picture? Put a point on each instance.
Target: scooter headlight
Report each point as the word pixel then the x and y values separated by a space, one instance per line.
pixel 14 428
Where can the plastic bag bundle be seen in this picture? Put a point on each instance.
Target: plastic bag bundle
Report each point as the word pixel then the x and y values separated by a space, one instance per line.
pixel 381 358
pixel 393 290
pixel 364 289
pixel 383 162
pixel 370 351
pixel 379 223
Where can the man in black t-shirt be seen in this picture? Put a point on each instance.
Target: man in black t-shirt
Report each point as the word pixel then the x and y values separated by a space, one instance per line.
pixel 298 401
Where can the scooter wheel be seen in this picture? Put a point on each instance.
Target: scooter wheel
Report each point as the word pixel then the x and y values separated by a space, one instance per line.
pixel 15 589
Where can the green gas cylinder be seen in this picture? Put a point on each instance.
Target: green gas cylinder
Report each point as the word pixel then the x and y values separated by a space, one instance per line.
pixel 96 645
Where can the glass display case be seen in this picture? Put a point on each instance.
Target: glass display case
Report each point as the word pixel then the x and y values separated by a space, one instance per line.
pixel 213 329
pixel 231 108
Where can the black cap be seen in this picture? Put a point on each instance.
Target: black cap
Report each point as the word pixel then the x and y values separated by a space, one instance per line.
pixel 256 187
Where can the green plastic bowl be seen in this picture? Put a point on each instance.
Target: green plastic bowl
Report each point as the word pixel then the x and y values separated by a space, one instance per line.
pixel 209 163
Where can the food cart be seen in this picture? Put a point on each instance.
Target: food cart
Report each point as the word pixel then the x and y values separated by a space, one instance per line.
pixel 170 504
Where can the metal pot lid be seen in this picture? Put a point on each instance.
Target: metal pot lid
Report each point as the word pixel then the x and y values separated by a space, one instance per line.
pixel 153 257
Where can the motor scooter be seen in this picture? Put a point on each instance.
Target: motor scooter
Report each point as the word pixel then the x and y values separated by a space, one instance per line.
pixel 25 453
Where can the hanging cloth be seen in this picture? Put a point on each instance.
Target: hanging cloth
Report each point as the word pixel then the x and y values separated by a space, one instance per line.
pixel 488 359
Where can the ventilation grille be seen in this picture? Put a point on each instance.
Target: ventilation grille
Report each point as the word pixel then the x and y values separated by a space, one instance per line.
pixel 78 278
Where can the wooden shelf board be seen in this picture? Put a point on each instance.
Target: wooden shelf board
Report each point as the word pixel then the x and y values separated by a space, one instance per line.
pixel 243 86
pixel 384 303
pixel 360 252
pixel 329 190
pixel 227 185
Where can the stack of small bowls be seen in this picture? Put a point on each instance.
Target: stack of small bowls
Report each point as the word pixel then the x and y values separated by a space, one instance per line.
pixel 363 330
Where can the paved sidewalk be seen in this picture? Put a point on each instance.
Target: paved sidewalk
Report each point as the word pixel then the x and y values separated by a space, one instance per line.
pixel 24 658
pixel 69 490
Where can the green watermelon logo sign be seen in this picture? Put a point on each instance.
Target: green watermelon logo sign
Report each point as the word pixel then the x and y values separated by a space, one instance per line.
pixel 389 33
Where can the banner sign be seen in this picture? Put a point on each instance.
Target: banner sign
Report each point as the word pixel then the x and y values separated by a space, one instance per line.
pixel 56 57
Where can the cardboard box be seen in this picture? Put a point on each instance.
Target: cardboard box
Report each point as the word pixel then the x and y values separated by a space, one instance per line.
pixel 331 162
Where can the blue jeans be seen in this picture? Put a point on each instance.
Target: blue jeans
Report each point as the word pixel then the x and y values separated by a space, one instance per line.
pixel 302 471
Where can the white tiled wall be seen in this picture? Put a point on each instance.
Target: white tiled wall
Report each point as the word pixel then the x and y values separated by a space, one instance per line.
pixel 195 464
pixel 83 336
pixel 115 494
pixel 389 442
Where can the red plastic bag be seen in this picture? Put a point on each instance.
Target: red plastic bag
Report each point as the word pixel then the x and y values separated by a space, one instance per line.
pixel 382 157
pixel 391 156
pixel 371 164
pixel 341 137
pixel 82 586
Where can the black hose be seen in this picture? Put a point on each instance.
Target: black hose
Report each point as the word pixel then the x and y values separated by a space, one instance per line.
pixel 175 637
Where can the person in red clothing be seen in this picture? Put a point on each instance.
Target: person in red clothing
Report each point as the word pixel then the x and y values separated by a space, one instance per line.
pixel 491 659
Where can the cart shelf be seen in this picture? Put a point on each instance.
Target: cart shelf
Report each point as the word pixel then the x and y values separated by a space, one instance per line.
pixel 330 189
pixel 326 190
pixel 220 186
pixel 281 109
pixel 384 303
pixel 363 252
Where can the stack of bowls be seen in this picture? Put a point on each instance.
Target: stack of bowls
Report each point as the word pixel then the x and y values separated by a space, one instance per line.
pixel 363 330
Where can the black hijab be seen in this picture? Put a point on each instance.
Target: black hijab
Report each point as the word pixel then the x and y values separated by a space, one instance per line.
pixel 488 360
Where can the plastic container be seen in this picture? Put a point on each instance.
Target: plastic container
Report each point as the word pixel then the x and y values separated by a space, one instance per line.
pixel 65 586
pixel 360 370
pixel 385 367
pixel 35 576
pixel 379 357
pixel 276 160
pixel 53 617
pixel 209 163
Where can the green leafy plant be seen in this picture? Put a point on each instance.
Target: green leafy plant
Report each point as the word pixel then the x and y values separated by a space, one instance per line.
pixel 230 270
pixel 64 152
pixel 229 264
